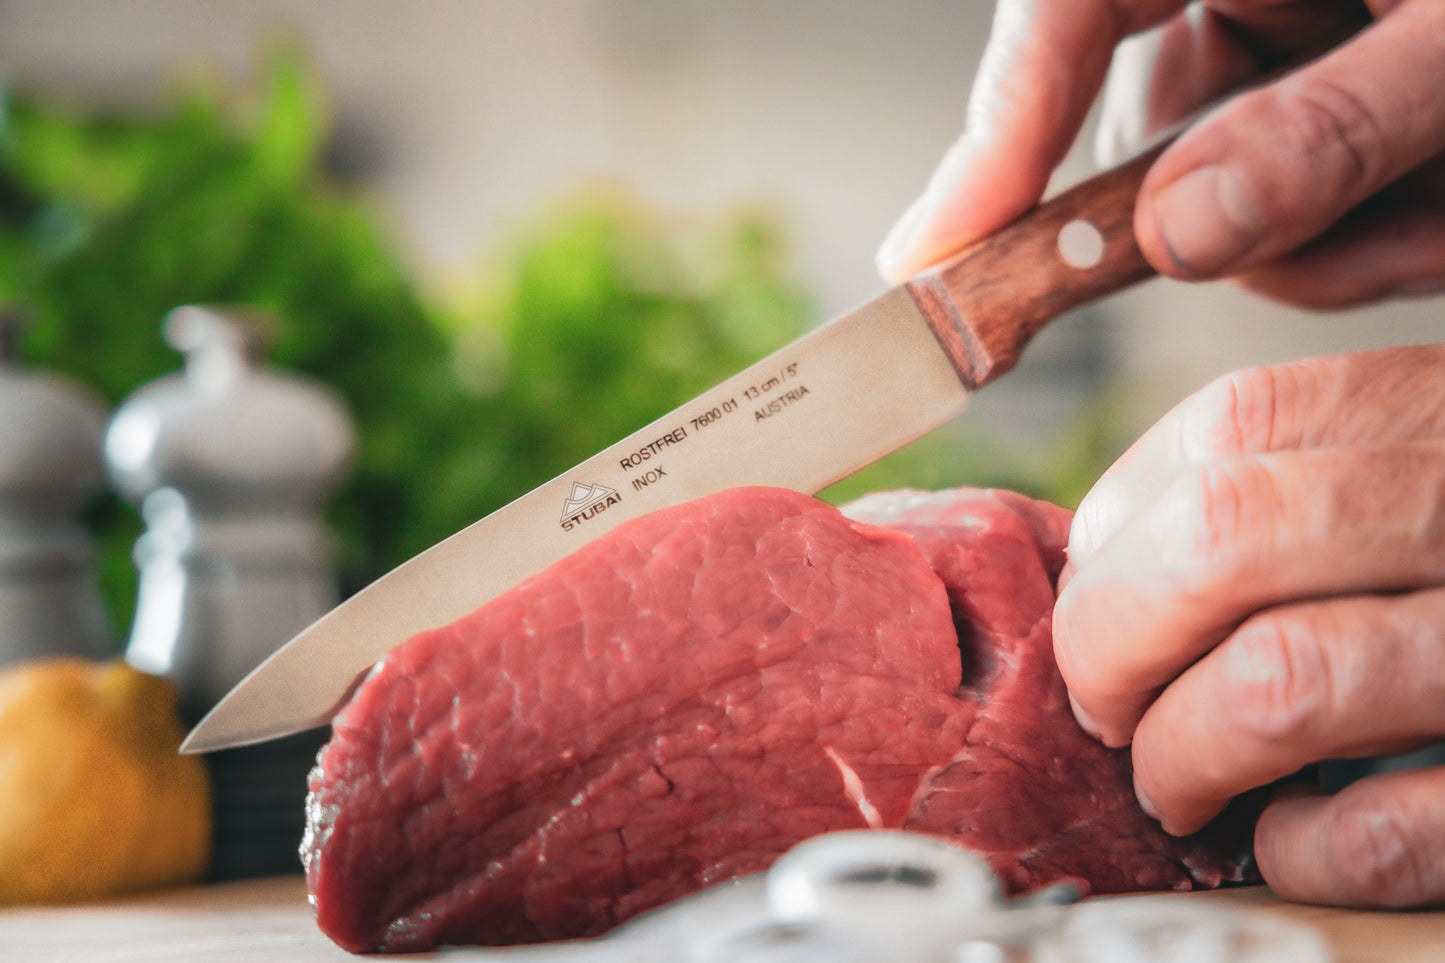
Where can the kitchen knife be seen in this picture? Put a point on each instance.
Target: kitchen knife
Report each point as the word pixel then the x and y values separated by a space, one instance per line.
pixel 828 404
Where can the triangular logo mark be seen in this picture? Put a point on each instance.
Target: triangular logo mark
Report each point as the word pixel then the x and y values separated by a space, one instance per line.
pixel 584 496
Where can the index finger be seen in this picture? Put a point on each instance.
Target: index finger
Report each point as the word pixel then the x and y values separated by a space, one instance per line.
pixel 1368 397
pixel 1043 65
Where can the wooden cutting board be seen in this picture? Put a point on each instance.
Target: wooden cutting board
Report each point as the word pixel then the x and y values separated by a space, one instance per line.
pixel 269 920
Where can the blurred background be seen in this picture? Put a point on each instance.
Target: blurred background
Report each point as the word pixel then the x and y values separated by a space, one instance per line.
pixel 509 232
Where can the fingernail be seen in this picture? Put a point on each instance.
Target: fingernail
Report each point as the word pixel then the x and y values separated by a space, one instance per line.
pixel 1145 804
pixel 1084 535
pixel 892 259
pixel 1101 513
pixel 906 249
pixel 1086 721
pixel 1208 218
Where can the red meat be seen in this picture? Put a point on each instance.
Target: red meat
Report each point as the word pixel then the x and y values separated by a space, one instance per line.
pixel 686 698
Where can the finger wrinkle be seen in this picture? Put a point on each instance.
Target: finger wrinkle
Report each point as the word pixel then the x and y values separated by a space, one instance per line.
pixel 1339 678
pixel 1216 519
pixel 1234 415
pixel 1377 843
pixel 1337 130
pixel 1333 400
pixel 1383 847
pixel 1279 681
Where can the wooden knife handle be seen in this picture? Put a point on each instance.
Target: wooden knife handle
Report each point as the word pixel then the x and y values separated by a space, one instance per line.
pixel 986 302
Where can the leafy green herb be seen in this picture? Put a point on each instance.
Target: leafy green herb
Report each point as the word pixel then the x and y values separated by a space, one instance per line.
pixel 600 317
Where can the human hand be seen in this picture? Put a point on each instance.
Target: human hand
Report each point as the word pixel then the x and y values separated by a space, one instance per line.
pixel 1258 584
pixel 1325 187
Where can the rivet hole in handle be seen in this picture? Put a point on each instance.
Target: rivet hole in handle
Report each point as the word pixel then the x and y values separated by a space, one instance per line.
pixel 990 299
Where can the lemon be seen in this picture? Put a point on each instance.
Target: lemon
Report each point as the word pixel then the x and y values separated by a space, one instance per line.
pixel 94 799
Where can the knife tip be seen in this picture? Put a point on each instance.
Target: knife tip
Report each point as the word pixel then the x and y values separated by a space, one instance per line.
pixel 206 738
pixel 203 739
pixel 196 744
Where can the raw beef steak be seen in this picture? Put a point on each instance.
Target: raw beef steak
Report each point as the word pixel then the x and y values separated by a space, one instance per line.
pixel 683 700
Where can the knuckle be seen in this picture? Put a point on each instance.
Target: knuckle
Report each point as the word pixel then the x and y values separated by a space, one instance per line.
pixel 1335 132
pixel 1234 414
pixel 1370 844
pixel 1279 686
pixel 1211 518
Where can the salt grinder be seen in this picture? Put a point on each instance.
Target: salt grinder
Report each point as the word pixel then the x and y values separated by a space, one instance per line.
pixel 230 465
pixel 50 469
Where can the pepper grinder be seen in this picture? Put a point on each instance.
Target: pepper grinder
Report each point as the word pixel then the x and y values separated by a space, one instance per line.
pixel 50 468
pixel 230 465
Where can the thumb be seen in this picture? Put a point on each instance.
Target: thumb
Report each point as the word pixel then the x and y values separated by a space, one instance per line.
pixel 1275 167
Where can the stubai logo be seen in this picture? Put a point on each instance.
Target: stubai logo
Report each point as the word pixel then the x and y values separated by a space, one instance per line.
pixel 586 501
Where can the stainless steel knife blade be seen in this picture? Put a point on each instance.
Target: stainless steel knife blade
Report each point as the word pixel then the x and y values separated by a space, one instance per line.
pixel 812 413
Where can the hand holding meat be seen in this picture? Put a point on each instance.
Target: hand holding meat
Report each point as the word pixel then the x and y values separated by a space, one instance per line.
pixel 1323 187
pixel 1259 584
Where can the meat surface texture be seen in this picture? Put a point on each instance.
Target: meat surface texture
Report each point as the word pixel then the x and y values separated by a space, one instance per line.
pixel 686 698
